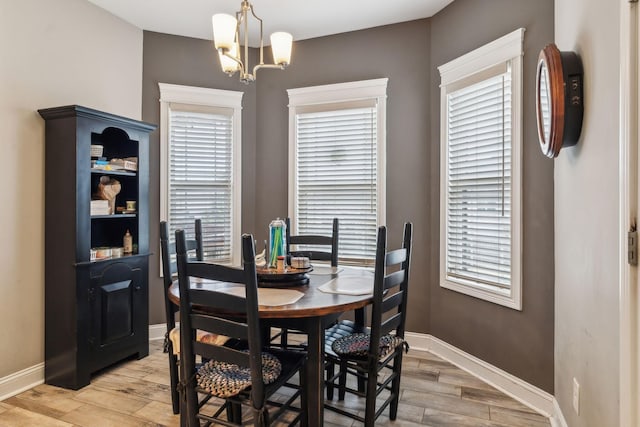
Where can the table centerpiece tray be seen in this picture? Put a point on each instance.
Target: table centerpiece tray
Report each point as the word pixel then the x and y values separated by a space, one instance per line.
pixel 289 276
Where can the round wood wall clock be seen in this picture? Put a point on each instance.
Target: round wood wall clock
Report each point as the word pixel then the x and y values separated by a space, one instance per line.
pixel 559 99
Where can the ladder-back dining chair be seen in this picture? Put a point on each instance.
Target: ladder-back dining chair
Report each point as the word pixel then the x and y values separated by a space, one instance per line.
pixel 238 376
pixel 323 248
pixel 169 271
pixel 375 355
pixel 316 247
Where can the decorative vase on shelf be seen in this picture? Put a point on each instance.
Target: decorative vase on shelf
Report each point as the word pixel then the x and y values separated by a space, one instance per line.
pixel 277 241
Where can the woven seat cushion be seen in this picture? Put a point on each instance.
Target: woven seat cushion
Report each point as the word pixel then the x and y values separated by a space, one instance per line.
pixel 202 336
pixel 223 379
pixel 357 345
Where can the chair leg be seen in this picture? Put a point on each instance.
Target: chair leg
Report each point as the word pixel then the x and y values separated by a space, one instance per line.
pixel 234 412
pixel 173 373
pixel 372 385
pixel 395 386
pixel 260 418
pixel 191 407
pixel 303 396
pixel 330 371
pixel 342 380
pixel 360 320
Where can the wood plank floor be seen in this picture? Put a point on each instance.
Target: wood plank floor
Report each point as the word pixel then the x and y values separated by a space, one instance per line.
pixel 136 393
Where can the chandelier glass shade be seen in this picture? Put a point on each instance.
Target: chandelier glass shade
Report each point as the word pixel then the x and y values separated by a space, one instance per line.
pixel 231 40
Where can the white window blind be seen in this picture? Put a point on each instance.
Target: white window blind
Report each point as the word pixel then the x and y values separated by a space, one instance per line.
pixel 337 164
pixel 200 177
pixel 481 172
pixel 478 200
pixel 336 176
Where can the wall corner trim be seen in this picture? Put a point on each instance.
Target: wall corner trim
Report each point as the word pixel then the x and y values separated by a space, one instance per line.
pixel 557 420
pixel 529 395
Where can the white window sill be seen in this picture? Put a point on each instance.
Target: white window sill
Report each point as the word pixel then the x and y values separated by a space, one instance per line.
pixel 494 294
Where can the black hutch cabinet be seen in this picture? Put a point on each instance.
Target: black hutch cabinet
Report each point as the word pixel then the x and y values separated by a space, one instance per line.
pixel 96 296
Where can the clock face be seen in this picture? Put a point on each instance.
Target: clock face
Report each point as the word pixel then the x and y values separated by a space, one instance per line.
pixel 558 99
pixel 544 101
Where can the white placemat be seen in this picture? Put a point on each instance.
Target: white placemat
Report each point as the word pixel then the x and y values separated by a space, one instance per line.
pixel 268 296
pixel 325 270
pixel 349 284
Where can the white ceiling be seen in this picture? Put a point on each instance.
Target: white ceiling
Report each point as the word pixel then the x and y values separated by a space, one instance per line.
pixel 304 19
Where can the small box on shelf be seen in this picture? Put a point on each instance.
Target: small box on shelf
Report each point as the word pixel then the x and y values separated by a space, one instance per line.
pixel 100 207
pixel 127 164
pixel 96 150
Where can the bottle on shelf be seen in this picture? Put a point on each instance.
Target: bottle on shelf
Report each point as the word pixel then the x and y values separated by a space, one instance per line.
pixel 127 243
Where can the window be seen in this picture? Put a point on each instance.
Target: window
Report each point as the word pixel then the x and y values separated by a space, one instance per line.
pixel 200 166
pixel 337 163
pixel 481 140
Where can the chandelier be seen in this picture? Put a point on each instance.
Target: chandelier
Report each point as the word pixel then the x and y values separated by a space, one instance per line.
pixel 228 31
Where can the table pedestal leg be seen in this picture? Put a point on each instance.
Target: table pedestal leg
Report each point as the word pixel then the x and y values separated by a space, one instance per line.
pixel 315 374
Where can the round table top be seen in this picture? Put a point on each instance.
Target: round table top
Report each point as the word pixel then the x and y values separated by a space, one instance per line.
pixel 313 303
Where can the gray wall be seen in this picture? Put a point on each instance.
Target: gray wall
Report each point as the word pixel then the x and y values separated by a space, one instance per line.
pixel 520 342
pixel 399 52
pixel 189 62
pixel 53 53
pixel 587 215
pixel 408 54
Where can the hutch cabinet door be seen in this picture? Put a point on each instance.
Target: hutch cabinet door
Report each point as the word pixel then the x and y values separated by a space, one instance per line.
pixel 118 312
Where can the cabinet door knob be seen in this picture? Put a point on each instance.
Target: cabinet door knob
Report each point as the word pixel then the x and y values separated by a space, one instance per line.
pixel 137 288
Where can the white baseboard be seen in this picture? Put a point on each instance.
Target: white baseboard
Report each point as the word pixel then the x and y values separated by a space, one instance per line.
pixel 27 378
pixel 529 395
pixel 22 380
pixel 156 332
pixel 420 342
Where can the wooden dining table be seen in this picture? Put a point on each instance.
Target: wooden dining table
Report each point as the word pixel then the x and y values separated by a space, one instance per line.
pixel 311 314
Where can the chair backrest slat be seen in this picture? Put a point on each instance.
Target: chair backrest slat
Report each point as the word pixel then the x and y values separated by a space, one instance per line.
pixel 313 255
pixel 390 324
pixel 229 355
pixel 222 273
pixel 222 326
pixel 219 300
pixel 310 239
pixel 392 301
pixel 394 279
pixel 390 290
pixel 192 245
pixel 395 257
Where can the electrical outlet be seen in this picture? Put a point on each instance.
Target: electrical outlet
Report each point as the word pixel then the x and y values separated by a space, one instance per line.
pixel 576 396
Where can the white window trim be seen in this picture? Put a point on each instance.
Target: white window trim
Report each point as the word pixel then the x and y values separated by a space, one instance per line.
pixel 335 93
pixel 506 48
pixel 170 93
